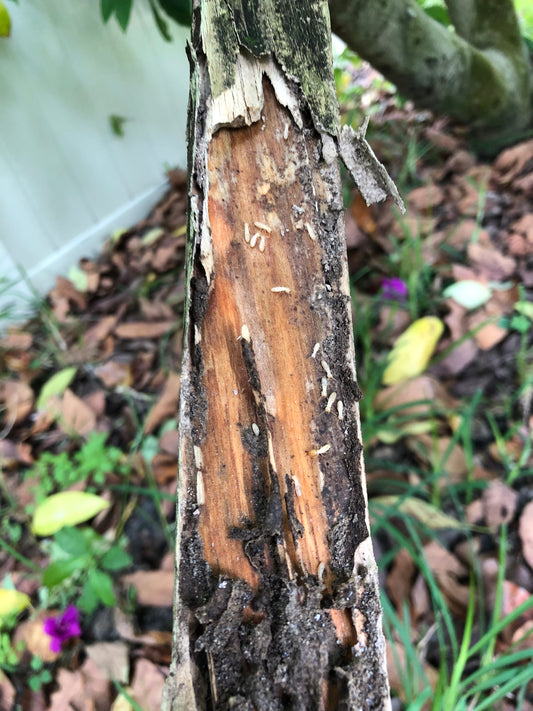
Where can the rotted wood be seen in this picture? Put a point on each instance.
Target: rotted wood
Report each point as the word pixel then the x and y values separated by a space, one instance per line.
pixel 277 604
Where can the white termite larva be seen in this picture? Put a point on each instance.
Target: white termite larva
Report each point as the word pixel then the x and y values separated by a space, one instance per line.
pixel 297 488
pixel 246 233
pixel 255 429
pixel 262 244
pixel 340 410
pixel 280 289
pixel 262 226
pixel 327 369
pixel 324 391
pixel 200 489
pixel 321 450
pixel 253 239
pixel 315 350
pixel 321 571
pixel 331 400
pixel 310 231
pixel 286 131
pixel 245 333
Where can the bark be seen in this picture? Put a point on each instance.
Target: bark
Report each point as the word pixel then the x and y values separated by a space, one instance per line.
pixel 277 601
pixel 479 75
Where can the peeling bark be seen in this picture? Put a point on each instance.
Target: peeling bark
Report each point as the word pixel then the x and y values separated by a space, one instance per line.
pixel 277 601
pixel 479 75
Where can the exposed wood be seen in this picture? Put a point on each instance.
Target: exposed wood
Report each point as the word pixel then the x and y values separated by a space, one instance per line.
pixel 277 603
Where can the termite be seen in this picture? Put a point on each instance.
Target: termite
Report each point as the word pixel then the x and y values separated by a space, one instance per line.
pixel 331 400
pixel 321 450
pixel 280 289
pixel 246 233
pixel 310 231
pixel 254 239
pixel 327 369
pixel 262 226
pixel 324 383
pixel 340 410
pixel 315 350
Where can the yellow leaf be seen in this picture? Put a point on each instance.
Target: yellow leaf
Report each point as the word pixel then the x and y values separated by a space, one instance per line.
pixel 56 385
pixel 421 510
pixel 5 21
pixel 68 508
pixel 413 349
pixel 12 602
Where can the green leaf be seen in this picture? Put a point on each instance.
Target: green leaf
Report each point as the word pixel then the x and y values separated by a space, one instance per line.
pixel 123 12
pixel 162 26
pixel 88 600
pixel 178 10
pixel 79 278
pixel 72 541
pixel 5 21
pixel 115 559
pixel 107 8
pixel 56 385
pixel 117 124
pixel 421 510
pixel 468 293
pixel 438 13
pixel 12 602
pixel 68 508
pixel 102 586
pixel 521 323
pixel 60 570
pixel 525 308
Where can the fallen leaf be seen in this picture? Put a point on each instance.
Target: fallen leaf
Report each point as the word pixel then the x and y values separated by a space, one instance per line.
pixel 421 510
pixel 18 400
pixel 165 467
pixel 114 373
pixel 13 453
pixel 66 290
pixel 156 310
pixel 166 406
pixel 144 329
pixel 490 262
pixel 56 385
pixel 425 197
pixel 466 232
pixel 499 504
pixel 75 415
pixel 16 340
pixel 437 453
pixel 7 692
pixel 400 578
pixel 147 685
pixel 525 530
pixel 487 332
pixel 168 443
pixel 68 508
pixel 35 640
pixel 112 659
pixel 100 331
pixel 12 602
pixel 512 161
pixel 153 587
pixel 86 689
pixel 362 214
pixel 424 390
pixel 413 349
pixel 448 571
pixel 470 294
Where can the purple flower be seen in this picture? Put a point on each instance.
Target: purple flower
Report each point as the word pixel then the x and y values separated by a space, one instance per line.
pixel 393 289
pixel 62 627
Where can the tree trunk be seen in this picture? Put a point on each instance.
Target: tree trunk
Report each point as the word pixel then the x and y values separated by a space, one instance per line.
pixel 277 602
pixel 479 75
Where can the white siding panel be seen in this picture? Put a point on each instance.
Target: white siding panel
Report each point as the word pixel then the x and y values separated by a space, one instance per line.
pixel 65 179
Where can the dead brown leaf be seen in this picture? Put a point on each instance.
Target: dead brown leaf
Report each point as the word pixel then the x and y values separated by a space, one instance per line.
pixel 512 161
pixel 525 530
pixel 524 226
pixel 409 391
pixel 166 406
pixel 86 689
pixel 489 333
pixel 31 633
pixel 114 373
pixel 16 340
pixel 449 574
pixel 169 443
pixel 18 400
pixel 111 659
pixel 433 451
pixel 13 453
pixel 7 692
pixel 100 331
pixel 499 504
pixel 400 578
pixel 156 310
pixel 144 329
pixel 362 214
pixel 165 467
pixel 147 685
pixel 75 415
pixel 153 587
pixel 465 233
pixel 491 263
pixel 425 198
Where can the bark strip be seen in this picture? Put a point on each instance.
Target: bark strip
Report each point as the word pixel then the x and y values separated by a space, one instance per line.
pixel 277 604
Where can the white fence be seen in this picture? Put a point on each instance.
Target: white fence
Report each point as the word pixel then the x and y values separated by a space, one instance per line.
pixel 66 180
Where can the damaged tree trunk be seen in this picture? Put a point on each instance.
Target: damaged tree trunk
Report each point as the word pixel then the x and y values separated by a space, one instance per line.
pixel 277 602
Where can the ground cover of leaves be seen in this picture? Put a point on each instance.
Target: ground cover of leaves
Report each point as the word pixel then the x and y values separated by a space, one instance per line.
pixel 88 401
